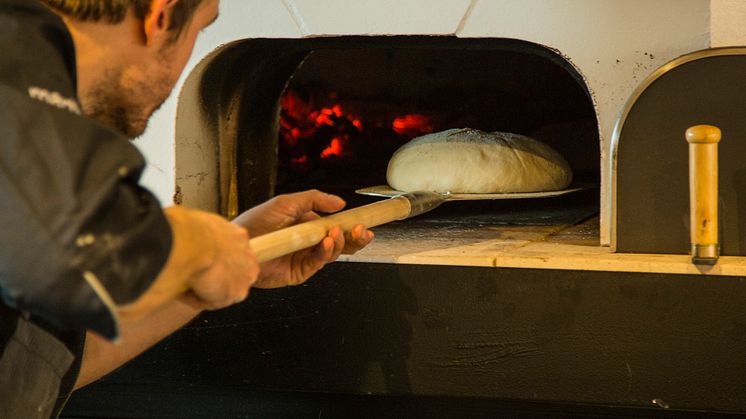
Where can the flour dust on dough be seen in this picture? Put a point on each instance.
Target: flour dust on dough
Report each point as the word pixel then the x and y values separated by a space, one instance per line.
pixel 472 161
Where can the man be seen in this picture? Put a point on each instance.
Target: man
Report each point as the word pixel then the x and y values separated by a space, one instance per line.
pixel 92 270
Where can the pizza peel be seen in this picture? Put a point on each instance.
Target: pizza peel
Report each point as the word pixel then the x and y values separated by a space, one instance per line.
pixel 399 206
pixel 387 191
pixel 304 235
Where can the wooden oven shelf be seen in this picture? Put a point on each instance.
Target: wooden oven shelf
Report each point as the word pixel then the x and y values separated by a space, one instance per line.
pixel 574 247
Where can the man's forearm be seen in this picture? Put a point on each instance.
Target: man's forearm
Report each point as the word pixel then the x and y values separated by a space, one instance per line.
pixel 210 266
pixel 189 258
pixel 102 356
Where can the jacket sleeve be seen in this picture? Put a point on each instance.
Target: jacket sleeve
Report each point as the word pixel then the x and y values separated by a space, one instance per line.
pixel 78 235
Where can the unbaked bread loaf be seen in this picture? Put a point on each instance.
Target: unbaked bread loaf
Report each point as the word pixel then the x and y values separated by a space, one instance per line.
pixel 472 161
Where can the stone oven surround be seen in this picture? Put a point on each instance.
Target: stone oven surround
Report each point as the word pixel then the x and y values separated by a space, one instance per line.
pixel 613 45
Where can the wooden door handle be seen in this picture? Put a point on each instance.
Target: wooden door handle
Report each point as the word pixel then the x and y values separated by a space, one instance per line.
pixel 703 192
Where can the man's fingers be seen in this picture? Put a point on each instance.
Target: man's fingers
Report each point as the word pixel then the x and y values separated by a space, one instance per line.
pixel 324 202
pixel 358 233
pixel 309 216
pixel 339 242
pixel 315 200
pixel 243 295
pixel 314 260
pixel 325 252
pixel 359 237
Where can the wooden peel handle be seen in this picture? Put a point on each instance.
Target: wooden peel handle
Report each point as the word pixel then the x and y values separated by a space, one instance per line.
pixel 703 192
pixel 301 236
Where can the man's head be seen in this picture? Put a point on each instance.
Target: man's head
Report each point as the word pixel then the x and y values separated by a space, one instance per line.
pixel 130 53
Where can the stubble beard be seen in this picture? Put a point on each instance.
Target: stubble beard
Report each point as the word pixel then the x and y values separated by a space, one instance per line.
pixel 125 104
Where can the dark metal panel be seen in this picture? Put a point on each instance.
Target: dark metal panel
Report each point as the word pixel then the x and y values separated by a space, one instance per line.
pixel 566 337
pixel 652 171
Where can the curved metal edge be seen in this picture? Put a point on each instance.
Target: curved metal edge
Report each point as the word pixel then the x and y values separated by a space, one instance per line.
pixel 618 125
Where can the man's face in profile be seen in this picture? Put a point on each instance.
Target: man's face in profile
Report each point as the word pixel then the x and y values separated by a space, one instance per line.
pixel 126 99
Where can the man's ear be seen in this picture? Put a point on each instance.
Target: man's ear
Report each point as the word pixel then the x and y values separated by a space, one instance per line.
pixel 157 21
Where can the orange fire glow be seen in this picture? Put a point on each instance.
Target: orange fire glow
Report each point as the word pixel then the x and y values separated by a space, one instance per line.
pixel 334 149
pixel 300 120
pixel 320 126
pixel 300 160
pixel 413 125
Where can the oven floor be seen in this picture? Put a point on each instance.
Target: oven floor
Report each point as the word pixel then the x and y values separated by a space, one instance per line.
pixel 470 233
pixel 571 246
pixel 472 242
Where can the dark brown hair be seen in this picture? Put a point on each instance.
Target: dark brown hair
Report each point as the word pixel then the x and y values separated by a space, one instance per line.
pixel 113 11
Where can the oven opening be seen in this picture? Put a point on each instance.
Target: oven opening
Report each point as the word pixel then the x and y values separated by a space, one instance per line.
pixel 328 113
pixel 346 110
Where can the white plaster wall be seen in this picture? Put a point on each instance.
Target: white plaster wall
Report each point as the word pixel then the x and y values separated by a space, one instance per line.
pixel 728 23
pixel 379 17
pixel 614 44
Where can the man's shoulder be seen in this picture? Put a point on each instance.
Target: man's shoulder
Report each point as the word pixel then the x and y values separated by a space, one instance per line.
pixel 23 7
pixel 38 52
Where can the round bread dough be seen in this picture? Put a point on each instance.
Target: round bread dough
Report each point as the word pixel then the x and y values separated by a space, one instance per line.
pixel 472 161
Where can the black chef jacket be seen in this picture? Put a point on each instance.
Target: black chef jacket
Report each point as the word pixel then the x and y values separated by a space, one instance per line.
pixel 78 235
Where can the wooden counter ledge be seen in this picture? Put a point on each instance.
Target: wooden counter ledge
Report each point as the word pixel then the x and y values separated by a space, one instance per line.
pixel 537 247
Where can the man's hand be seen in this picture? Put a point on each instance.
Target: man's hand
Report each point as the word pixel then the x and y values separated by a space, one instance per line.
pixel 211 265
pixel 286 210
pixel 229 266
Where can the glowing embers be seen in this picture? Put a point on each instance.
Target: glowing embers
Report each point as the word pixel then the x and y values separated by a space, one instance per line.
pixel 413 125
pixel 311 131
pixel 326 140
pixel 321 127
pixel 334 149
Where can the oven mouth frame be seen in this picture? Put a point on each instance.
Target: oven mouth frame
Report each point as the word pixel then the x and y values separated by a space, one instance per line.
pixel 209 107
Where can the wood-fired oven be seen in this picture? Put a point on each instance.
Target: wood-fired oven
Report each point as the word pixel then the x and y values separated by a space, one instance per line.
pixel 579 304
